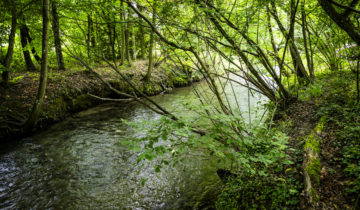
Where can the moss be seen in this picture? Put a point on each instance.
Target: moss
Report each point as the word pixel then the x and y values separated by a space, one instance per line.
pixel 312 142
pixel 313 169
pixel 59 104
pixel 314 195
pixel 152 88
pixel 82 102
pixel 320 127
pixel 180 81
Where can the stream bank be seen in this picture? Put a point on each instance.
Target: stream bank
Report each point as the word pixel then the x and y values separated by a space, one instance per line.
pixel 323 127
pixel 323 135
pixel 70 91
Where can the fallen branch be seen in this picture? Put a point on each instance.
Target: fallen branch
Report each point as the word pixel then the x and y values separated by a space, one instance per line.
pixel 110 99
pixel 312 165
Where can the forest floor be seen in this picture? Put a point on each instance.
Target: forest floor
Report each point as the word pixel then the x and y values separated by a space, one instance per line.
pixel 333 98
pixel 68 91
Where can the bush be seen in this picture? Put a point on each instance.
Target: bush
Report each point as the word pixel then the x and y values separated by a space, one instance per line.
pixel 313 91
pixel 259 192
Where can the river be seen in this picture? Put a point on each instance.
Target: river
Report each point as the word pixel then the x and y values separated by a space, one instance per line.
pixel 81 163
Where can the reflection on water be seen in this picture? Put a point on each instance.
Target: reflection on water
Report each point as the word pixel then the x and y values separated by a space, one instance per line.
pixel 82 163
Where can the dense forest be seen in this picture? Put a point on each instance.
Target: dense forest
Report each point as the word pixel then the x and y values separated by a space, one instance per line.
pixel 263 94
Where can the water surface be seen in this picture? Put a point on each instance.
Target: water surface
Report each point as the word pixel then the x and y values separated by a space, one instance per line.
pixel 81 163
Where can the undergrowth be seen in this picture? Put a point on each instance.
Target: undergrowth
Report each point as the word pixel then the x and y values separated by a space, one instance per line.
pixel 343 120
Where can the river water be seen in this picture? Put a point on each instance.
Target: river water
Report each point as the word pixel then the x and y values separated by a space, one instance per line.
pixel 81 163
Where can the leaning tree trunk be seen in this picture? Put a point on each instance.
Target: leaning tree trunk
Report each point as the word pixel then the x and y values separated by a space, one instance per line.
pixel 294 52
pixel 307 53
pixel 30 123
pixel 24 31
pixel 10 51
pixel 57 40
pixel 342 20
pixel 28 38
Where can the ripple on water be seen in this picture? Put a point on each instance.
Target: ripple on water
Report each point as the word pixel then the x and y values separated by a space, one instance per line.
pixel 81 163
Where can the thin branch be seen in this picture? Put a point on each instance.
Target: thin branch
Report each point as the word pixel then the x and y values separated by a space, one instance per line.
pixel 110 99
pixel 344 6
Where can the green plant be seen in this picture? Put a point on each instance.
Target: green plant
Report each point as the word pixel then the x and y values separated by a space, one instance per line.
pixel 248 191
pixel 314 90
pixel 350 136
pixel 16 79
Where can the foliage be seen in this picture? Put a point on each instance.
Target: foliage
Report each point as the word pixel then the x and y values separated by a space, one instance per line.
pixel 211 38
pixel 343 118
pixel 314 90
pixel 258 161
pixel 350 137
pixel 16 79
pixel 255 152
pixel 249 191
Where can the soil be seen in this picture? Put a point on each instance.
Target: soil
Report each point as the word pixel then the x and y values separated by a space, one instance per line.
pixel 302 118
pixel 68 92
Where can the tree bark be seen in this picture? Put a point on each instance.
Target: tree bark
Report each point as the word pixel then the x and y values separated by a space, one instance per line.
pixel 133 44
pixel 357 82
pixel 24 31
pixel 10 51
pixel 343 21
pixel 142 42
pixel 142 37
pixel 294 52
pixel 29 40
pixel 31 122
pixel 57 40
pixel 122 53
pixel 308 60
pixel 150 66
pixel 127 43
pixel 132 34
pixel 88 38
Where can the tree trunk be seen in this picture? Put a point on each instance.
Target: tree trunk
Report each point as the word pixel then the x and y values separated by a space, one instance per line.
pixel 112 31
pixel 24 31
pixel 122 54
pixel 10 51
pixel 357 82
pixel 127 48
pixel 294 52
pixel 142 37
pixel 31 122
pixel 90 41
pixel 92 35
pixel 57 40
pixel 308 60
pixel 132 34
pixel 29 40
pixel 33 51
pixel 89 34
pixel 150 67
pixel 342 20
pixel 142 42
